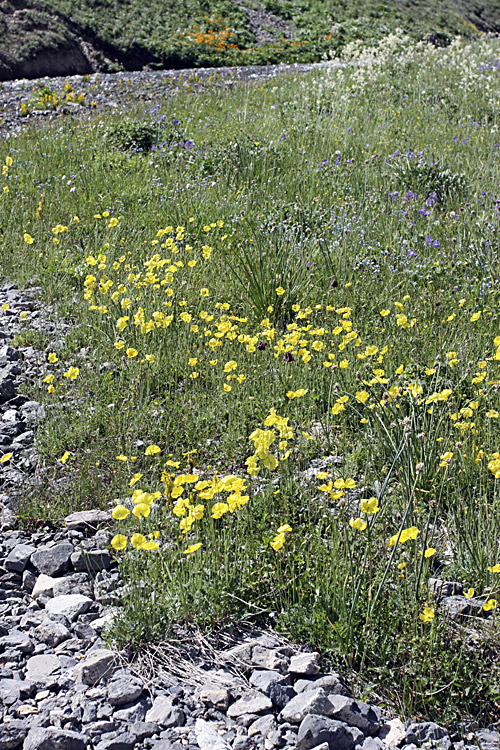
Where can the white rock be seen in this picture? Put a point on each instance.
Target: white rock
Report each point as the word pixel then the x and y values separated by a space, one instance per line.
pixel 44 586
pixel 307 663
pixel 69 605
pixel 207 736
pixel 392 733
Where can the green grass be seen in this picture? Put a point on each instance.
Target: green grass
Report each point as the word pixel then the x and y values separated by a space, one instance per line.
pixel 129 35
pixel 325 247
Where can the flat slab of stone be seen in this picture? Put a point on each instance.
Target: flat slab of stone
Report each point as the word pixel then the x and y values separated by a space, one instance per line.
pixel 87 519
pixel 94 667
pixel 42 665
pixel 307 702
pixel 251 703
pixel 50 738
pixel 164 713
pixel 70 605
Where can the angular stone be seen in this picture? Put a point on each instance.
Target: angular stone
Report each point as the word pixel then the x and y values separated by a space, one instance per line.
pixel 264 725
pixel 42 665
pixel 331 684
pixel 419 732
pixel 164 713
pixel 11 691
pixel 12 734
pixel 51 632
pixel 213 695
pixel 280 695
pixel 51 738
pixel 44 586
pixel 207 736
pixel 441 588
pixel 489 739
pixel 373 743
pixel 71 605
pixel 18 558
pixel 269 659
pixel 87 519
pixel 122 691
pixel 94 667
pixel 79 583
pixel 124 741
pixel 16 641
pixel 307 664
pixel 355 713
pixel 392 733
pixel 133 712
pixel 143 729
pixel 261 679
pixel 250 703
pixel 91 561
pixel 7 390
pixel 53 561
pixel 315 730
pixel 308 702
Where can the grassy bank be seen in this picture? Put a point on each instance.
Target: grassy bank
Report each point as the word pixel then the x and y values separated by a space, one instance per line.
pixel 285 359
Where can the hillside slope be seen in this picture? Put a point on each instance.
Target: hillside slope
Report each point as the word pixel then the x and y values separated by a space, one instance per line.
pixel 60 37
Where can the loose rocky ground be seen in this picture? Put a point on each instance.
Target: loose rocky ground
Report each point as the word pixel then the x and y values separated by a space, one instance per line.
pixel 109 92
pixel 64 687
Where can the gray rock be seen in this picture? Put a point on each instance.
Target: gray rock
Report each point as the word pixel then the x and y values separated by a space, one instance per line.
pixel 261 679
pixel 308 702
pixel 53 561
pixel 419 732
pixel 441 588
pixel 18 558
pixel 306 664
pixel 7 390
pixel 12 734
pixel 125 741
pixel 42 665
pixel 51 738
pixel 79 583
pixel 51 632
pixel 392 732
pixel 315 730
pixel 143 729
pixel 16 641
pixel 44 586
pixel 373 743
pixel 488 739
pixel 94 667
pixel 216 696
pixel 269 659
pixel 331 683
pixel 132 712
pixel 264 725
pixel 207 736
pixel 70 605
pixel 355 713
pixel 250 703
pixel 164 713
pixel 87 519
pixel 91 561
pixel 122 691
pixel 280 694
